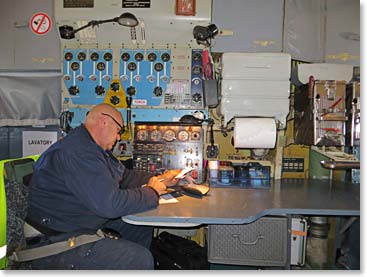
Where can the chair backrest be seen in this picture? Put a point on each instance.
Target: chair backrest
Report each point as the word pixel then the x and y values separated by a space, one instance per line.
pixel 11 171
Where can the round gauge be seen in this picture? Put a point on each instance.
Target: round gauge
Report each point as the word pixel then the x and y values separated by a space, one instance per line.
pixel 81 56
pixel 125 57
pixel 155 135
pixel 74 66
pixel 165 57
pixel 169 135
pixel 101 66
pixel 141 134
pixel 152 57
pixel 107 56
pixel 196 56
pixel 139 57
pixel 197 69
pixel 68 56
pixel 131 66
pixel 158 67
pixel 94 56
pixel 183 135
pixel 195 135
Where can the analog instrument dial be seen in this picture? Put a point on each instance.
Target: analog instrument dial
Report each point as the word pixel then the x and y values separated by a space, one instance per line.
pixel 141 134
pixel 169 135
pixel 183 135
pixel 155 135
pixel 195 135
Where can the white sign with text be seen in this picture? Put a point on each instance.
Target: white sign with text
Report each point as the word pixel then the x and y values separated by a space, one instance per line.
pixel 36 142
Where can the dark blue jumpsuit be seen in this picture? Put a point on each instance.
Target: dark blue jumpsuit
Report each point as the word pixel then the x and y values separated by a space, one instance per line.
pixel 77 188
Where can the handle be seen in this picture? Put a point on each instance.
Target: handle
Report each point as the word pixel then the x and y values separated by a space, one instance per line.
pixel 237 236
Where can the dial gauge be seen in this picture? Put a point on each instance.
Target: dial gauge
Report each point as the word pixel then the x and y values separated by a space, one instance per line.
pixel 183 135
pixel 141 134
pixel 195 135
pixel 155 135
pixel 169 135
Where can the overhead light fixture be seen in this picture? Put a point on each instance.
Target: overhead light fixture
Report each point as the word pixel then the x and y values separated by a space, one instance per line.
pixel 126 19
pixel 204 35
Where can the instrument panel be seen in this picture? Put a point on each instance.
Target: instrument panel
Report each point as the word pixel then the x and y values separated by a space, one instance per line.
pixel 167 133
pixel 168 145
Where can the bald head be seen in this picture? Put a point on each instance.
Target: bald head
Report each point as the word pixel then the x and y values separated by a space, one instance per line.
pixel 97 110
pixel 100 124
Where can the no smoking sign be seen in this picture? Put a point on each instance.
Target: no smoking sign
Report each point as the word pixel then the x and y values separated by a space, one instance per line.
pixel 40 23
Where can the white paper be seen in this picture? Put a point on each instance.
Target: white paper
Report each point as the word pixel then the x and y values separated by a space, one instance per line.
pixel 36 142
pixel 184 172
pixel 255 133
pixel 167 198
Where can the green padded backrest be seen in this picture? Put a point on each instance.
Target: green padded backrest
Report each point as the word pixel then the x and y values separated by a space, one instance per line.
pixel 14 170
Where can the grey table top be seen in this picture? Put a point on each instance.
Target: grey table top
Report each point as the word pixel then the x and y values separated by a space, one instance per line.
pixel 238 205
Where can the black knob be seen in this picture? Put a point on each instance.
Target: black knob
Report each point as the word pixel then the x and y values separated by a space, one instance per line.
pixel 99 90
pixel 158 91
pixel 115 86
pixel 115 100
pixel 101 66
pixel 82 56
pixel 165 57
pixel 139 57
pixel 107 56
pixel 131 66
pixel 196 97
pixel 158 67
pixel 125 57
pixel 74 66
pixel 152 57
pixel 68 56
pixel 74 90
pixel 131 90
pixel 94 56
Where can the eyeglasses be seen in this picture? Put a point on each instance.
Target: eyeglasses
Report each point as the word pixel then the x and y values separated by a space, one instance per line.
pixel 122 128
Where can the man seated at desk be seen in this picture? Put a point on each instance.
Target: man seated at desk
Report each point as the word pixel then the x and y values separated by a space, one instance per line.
pixel 78 187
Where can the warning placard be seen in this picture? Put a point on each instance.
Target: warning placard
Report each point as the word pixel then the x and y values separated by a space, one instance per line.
pixel 40 23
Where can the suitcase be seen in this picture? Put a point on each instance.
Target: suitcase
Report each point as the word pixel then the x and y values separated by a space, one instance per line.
pixel 173 252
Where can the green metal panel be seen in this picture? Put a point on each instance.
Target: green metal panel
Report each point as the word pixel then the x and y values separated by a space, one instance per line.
pixel 316 170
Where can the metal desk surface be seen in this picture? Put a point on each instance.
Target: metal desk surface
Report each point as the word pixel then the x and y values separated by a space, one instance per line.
pixel 238 206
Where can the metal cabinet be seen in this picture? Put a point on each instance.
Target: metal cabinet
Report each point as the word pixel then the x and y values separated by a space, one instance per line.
pixel 21 49
pixel 251 25
pixel 343 32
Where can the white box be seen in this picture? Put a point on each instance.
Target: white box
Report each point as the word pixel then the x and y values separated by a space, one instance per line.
pixel 255 85
pixel 258 66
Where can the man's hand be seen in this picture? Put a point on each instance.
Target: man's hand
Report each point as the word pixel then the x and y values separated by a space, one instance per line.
pixel 157 185
pixel 168 177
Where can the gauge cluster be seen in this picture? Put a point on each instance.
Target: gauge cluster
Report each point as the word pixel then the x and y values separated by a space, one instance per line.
pixel 166 133
pixel 167 145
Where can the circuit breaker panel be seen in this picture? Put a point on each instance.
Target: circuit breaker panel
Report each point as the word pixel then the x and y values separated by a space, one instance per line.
pixel 152 71
pixel 159 146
